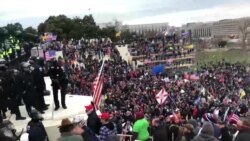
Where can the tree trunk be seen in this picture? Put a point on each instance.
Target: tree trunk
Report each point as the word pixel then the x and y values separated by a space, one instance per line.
pixel 243 44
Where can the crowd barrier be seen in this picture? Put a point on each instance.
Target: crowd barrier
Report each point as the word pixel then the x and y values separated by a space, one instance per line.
pixel 123 136
pixel 173 60
pixel 142 57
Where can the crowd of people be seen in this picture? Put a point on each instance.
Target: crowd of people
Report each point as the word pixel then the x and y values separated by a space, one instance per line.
pixel 159 49
pixel 213 106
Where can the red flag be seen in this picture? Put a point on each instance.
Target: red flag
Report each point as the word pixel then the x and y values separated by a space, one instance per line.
pixel 161 96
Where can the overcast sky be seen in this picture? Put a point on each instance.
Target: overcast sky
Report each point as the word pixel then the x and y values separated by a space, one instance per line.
pixel 175 12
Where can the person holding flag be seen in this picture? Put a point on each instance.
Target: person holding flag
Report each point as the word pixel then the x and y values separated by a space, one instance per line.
pixel 93 121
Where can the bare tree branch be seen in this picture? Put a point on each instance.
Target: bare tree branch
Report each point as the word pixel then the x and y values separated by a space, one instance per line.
pixel 244 26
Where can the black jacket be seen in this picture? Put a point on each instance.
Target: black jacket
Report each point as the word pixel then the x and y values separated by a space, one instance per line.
pixel 57 75
pixel 225 136
pixel 160 133
pixel 93 122
pixel 88 134
pixel 38 79
pixel 36 131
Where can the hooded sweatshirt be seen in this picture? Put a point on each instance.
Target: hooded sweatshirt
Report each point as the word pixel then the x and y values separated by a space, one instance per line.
pixel 207 133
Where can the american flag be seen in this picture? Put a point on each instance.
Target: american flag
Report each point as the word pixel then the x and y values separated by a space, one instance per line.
pixel 50 54
pixel 194 77
pixel 97 88
pixel 233 118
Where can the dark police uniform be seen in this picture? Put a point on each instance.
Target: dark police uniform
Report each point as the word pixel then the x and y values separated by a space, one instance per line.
pixel 12 89
pixel 59 81
pixel 29 93
pixel 3 100
pixel 35 128
pixel 40 86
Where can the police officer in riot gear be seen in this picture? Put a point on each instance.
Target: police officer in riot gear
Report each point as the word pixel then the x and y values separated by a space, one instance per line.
pixel 3 96
pixel 29 92
pixel 12 89
pixel 3 99
pixel 35 128
pixel 39 84
pixel 59 81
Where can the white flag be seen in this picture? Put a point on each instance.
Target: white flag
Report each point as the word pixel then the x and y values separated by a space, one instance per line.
pixel 161 96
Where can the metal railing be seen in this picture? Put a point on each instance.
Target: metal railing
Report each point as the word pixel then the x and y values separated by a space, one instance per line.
pixel 123 136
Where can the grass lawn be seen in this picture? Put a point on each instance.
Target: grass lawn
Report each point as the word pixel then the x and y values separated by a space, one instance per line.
pixel 231 56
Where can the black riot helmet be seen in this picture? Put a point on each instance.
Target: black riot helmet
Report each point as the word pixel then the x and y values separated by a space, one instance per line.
pixel 54 63
pixel 25 66
pixel 40 61
pixel 15 72
pixel 35 115
pixel 3 65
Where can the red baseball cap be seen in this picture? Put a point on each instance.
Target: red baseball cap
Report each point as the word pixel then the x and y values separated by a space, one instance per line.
pixel 139 115
pixel 104 116
pixel 89 107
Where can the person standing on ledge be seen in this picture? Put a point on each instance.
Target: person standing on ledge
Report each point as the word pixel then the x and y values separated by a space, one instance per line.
pixel 59 81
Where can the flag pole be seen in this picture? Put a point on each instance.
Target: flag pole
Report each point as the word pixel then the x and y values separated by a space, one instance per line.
pixel 172 100
pixel 225 116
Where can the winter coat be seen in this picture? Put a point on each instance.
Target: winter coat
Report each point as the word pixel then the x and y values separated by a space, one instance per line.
pixel 93 122
pixel 207 133
pixel 189 136
pixel 88 134
pixel 225 135
pixel 37 131
pixel 204 137
pixel 108 132
pixel 160 133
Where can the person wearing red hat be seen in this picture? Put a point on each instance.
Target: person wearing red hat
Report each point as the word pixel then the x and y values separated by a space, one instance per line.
pixel 93 121
pixel 140 128
pixel 108 130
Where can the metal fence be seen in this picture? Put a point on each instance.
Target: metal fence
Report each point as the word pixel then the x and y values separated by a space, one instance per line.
pixel 122 137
